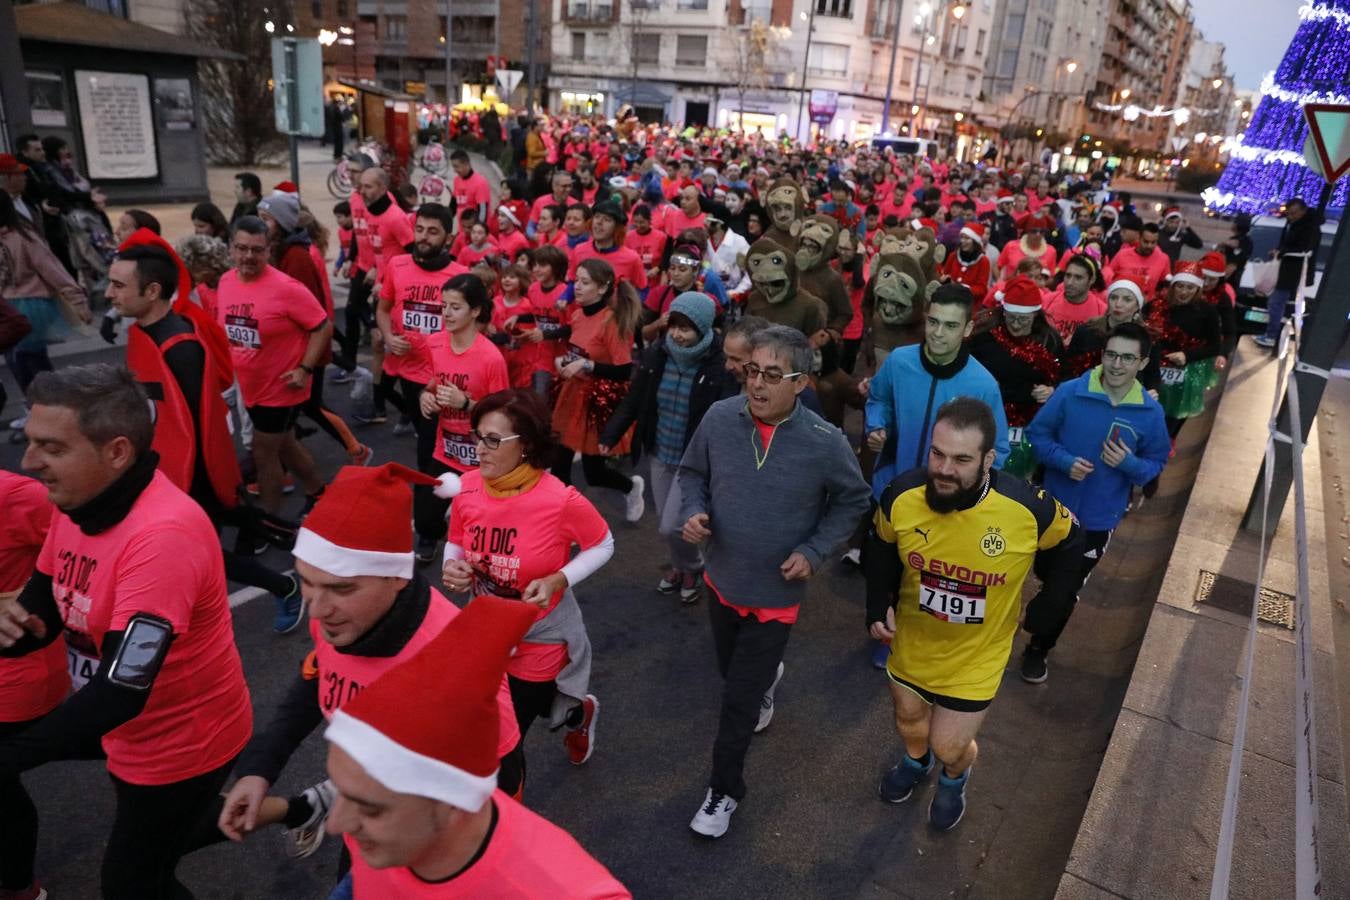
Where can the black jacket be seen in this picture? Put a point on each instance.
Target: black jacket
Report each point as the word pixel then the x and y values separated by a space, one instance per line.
pixel 1302 236
pixel 712 383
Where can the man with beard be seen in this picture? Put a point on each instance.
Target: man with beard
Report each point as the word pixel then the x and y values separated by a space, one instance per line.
pixel 1142 262
pixel 950 547
pixel 408 315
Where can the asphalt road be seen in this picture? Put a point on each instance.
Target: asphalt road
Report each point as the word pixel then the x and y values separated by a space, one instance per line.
pixel 812 825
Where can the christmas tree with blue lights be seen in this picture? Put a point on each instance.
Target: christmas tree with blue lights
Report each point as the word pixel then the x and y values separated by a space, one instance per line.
pixel 1266 165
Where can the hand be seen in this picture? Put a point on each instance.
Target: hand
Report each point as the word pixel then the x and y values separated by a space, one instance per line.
pixel 533 336
pixel 1080 469
pixel 346 270
pixel 97 196
pixel 456 575
pixel 1041 392
pixel 16 622
pixel 573 369
pixel 696 531
pixel 296 378
pixel 448 396
pixel 240 813
pixel 820 338
pixel 397 344
pixel 426 402
pixel 1152 392
pixel 876 440
pixel 603 448
pixel 540 591
pixel 864 387
pixel 510 324
pixel 1220 362
pixel 795 568
pixel 884 631
pixel 1176 358
pixel 370 277
pixel 1114 452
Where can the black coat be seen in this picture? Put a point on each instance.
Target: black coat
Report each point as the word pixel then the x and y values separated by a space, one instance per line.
pixel 1302 236
pixel 712 383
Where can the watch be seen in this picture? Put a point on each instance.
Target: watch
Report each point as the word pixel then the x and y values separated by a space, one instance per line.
pixel 468 401
pixel 309 370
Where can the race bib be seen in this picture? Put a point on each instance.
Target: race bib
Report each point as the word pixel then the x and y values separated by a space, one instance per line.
pixel 1172 376
pixel 423 318
pixel 82 668
pixel 573 354
pixel 951 601
pixel 461 448
pixel 243 332
pixel 1016 435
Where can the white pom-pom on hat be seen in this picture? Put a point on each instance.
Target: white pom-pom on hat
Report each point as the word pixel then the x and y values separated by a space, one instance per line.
pixel 448 487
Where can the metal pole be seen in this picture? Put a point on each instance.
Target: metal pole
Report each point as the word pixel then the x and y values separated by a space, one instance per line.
pixel 532 36
pixel 890 73
pixel 914 101
pixel 806 63
pixel 1324 334
pixel 293 108
pixel 448 77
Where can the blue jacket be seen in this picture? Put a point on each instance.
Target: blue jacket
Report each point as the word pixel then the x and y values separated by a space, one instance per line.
pixel 904 398
pixel 1076 420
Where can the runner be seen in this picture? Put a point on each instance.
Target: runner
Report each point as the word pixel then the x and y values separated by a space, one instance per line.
pixel 416 802
pixel 1189 336
pixel 1124 303
pixel 385 225
pixel 950 547
pixel 1078 298
pixel 541 327
pixel 130 571
pixel 770 519
pixel 608 223
pixel 469 189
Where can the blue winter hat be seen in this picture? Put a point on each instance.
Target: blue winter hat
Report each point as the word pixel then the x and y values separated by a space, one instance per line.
pixel 697 307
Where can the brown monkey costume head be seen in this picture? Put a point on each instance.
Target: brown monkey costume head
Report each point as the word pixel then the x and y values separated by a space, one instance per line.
pixel 772 270
pixel 817 242
pixel 896 290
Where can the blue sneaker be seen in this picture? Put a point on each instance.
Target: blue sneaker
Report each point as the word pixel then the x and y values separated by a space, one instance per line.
pixel 290 610
pixel 880 653
pixel 899 782
pixel 949 802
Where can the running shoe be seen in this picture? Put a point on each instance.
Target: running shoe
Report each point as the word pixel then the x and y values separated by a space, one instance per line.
pixel 1261 340
pixel 290 610
pixel 362 457
pixel 904 776
pixel 766 702
pixel 689 588
pixel 362 384
pixel 287 486
pixel 580 741
pixel 248 545
pixel 634 502
pixel 340 376
pixel 426 550
pixel 404 427
pixel 670 581
pixel 303 841
pixel 852 557
pixel 880 653
pixel 949 802
pixel 1034 668
pixel 714 816
pixel 369 415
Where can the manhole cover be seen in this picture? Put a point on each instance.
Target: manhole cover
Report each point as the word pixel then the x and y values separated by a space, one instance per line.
pixel 1235 596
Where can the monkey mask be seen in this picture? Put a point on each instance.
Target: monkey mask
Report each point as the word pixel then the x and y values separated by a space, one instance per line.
pixel 784 203
pixel 896 288
pixel 817 241
pixel 919 243
pixel 772 270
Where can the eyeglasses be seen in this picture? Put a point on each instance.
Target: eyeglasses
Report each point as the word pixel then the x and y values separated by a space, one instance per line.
pixel 1128 359
pixel 493 441
pixel 770 376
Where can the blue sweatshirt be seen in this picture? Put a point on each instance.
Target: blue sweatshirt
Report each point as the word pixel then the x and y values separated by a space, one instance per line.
pixel 1076 420
pixel 904 398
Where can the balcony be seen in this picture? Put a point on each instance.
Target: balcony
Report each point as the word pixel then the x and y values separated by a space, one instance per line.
pixel 584 12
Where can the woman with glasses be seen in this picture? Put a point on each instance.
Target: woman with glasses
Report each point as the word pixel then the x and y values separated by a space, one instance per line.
pixel 1189 335
pixel 1124 303
pixel 1021 349
pixel 512 529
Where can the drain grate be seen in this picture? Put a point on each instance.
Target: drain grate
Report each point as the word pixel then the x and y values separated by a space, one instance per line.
pixel 1235 596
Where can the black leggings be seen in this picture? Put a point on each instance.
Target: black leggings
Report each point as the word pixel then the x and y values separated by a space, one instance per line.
pixel 314 410
pixel 596 468
pixel 19 831
pixel 428 509
pixel 356 315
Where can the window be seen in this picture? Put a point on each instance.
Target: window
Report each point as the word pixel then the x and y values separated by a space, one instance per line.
pixel 693 4
pixel 970 86
pixel 647 48
pixel 343 11
pixel 316 9
pixel 1007 63
pixel 840 9
pixel 925 73
pixel 1037 71
pixel 1043 29
pixel 906 67
pixel 885 18
pixel 396 28
pixel 828 59
pixel 578 45
pixel 962 36
pixel 979 42
pixel 758 11
pixel 691 50
pixel 1012 27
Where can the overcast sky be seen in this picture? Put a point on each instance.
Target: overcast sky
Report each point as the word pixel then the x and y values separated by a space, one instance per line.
pixel 1256 33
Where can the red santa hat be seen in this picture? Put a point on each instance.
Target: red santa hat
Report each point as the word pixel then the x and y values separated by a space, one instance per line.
pixel 1038 223
pixel 1170 212
pixel 1127 284
pixel 1110 210
pixel 1004 196
pixel 450 756
pixel 1020 295
pixel 1213 265
pixel 1188 272
pixel 286 187
pixel 974 231
pixel 509 213
pixel 361 524
pixel 925 223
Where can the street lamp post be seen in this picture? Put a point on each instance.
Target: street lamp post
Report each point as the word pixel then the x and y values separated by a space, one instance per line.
pixel 890 73
pixel 806 65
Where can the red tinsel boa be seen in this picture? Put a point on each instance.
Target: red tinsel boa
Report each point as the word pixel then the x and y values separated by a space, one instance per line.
pixel 1170 336
pixel 1032 353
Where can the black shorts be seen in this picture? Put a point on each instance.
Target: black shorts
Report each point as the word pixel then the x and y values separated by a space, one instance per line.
pixel 273 419
pixel 955 704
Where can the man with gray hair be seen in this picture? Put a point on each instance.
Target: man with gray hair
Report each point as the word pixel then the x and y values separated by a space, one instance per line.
pixel 770 518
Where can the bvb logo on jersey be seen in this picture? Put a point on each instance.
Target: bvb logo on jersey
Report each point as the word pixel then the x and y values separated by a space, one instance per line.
pixel 993 544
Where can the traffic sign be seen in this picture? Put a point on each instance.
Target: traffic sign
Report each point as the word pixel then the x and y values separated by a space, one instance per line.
pixel 297 78
pixel 1329 132
pixel 507 79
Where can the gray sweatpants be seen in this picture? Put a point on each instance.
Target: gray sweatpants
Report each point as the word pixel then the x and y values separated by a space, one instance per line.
pixel 666 490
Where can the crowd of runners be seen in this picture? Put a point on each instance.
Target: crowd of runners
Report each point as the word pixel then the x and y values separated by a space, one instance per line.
pixel 953 375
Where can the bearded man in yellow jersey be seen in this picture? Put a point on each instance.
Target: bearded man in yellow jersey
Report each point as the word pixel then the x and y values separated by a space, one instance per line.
pixel 948 552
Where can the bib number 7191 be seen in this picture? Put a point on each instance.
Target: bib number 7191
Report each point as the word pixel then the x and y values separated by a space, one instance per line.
pixel 952 601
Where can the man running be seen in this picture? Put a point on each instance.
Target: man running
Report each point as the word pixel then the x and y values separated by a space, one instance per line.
pixel 131 573
pixel 949 549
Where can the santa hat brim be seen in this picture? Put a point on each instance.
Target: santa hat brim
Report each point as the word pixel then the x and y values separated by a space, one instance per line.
pixel 973 235
pixel 405 771
pixel 1210 273
pixel 1015 308
pixel 1124 285
pixel 1189 278
pixel 347 562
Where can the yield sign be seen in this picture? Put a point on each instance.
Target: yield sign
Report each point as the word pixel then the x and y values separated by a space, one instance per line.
pixel 1329 130
pixel 508 79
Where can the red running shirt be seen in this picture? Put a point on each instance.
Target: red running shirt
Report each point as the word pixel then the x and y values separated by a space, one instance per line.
pixel 480 370
pixel 649 247
pixel 626 263
pixel 415 313
pixel 268 321
pixel 162 559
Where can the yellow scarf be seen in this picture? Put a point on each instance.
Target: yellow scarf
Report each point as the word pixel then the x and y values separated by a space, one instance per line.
pixel 517 481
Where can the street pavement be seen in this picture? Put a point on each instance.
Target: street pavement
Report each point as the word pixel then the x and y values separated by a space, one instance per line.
pixel 812 825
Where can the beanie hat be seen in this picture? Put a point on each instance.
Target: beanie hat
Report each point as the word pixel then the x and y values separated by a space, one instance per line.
pixel 1127 284
pixel 450 756
pixel 361 524
pixel 1188 272
pixel 283 207
pixel 687 254
pixel 697 307
pixel 610 210
pixel 1020 295
pixel 974 231
pixel 1213 265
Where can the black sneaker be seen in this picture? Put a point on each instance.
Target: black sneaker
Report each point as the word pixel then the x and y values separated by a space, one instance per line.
pixel 426 550
pixel 1034 668
pixel 898 783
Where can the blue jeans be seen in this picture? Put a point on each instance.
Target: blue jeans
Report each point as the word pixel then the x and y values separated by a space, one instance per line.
pixel 1279 299
pixel 343 891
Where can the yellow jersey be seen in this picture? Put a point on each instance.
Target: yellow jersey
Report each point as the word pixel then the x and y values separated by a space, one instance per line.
pixel 960 579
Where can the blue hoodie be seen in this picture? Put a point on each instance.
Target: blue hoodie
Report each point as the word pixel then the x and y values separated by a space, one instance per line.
pixel 1076 421
pixel 904 397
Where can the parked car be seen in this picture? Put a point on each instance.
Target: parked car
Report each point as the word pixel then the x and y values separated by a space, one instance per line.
pixel 1265 235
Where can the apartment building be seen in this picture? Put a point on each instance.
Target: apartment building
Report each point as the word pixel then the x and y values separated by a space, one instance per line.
pixel 1146 51
pixel 1206 91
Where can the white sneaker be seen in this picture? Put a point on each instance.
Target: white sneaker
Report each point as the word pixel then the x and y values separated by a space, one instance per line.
pixel 766 704
pixel 303 841
pixel 714 816
pixel 853 557
pixel 363 384
pixel 635 503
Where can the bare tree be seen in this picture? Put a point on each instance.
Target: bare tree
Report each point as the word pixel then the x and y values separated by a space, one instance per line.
pixel 237 93
pixel 637 18
pixel 755 60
